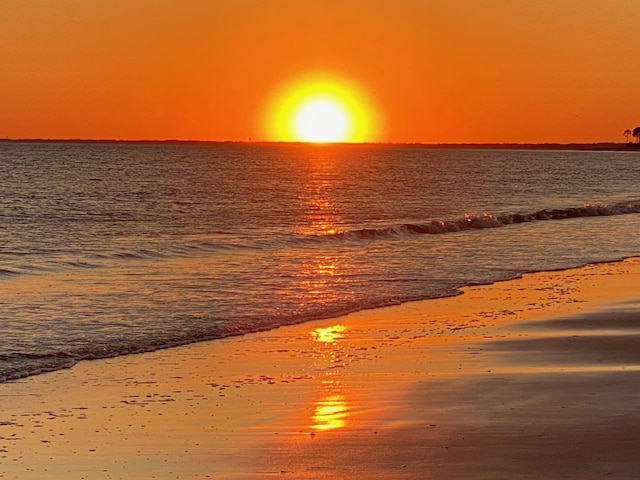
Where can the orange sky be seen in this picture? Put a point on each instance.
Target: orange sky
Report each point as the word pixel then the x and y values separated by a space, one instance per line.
pixel 437 70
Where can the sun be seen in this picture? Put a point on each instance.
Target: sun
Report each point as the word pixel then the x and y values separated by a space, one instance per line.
pixel 320 108
pixel 322 120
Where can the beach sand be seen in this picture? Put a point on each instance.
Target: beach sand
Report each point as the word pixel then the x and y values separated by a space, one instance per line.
pixel 534 378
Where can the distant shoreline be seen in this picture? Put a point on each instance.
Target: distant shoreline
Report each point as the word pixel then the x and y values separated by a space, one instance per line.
pixel 598 146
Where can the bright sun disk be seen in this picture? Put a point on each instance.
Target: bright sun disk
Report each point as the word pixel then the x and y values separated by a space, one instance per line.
pixel 322 120
pixel 320 108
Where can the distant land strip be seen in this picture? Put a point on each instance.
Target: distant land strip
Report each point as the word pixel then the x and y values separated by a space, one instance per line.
pixel 599 146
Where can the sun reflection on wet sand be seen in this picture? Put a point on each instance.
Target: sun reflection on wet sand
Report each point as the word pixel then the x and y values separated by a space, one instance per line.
pixel 330 413
pixel 328 334
pixel 331 410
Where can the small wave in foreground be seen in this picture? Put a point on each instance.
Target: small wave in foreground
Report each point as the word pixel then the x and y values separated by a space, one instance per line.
pixel 486 220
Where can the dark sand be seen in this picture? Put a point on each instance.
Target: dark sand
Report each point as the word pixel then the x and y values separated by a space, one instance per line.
pixel 529 379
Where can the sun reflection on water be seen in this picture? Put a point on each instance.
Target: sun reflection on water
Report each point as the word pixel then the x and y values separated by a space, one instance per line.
pixel 319 197
pixel 322 280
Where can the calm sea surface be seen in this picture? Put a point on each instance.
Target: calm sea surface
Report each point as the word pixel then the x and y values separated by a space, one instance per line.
pixel 108 249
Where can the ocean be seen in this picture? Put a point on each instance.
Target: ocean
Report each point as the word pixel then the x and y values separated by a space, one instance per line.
pixel 108 249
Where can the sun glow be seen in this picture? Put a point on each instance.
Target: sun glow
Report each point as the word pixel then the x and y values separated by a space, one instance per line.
pixel 320 109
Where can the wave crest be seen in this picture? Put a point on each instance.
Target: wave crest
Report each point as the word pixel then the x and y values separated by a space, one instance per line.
pixel 486 220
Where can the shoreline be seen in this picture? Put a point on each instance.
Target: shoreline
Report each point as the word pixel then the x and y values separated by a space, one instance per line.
pixel 460 291
pixel 438 388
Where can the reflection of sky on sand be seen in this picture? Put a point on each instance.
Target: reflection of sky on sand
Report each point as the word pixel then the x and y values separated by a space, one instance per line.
pixel 331 410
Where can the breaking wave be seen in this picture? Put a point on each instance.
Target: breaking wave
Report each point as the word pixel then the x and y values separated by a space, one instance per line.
pixel 486 220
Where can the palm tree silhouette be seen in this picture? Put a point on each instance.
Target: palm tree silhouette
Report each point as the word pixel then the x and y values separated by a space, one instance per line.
pixel 636 133
pixel 626 134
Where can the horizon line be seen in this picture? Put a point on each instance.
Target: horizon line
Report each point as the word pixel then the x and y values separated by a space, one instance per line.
pixel 584 145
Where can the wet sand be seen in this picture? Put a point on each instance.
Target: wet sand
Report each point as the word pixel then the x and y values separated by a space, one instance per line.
pixel 531 378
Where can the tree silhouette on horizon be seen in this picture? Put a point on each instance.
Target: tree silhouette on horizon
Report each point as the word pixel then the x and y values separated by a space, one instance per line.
pixel 636 133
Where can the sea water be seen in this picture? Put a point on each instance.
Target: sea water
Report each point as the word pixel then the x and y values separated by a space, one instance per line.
pixel 115 248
